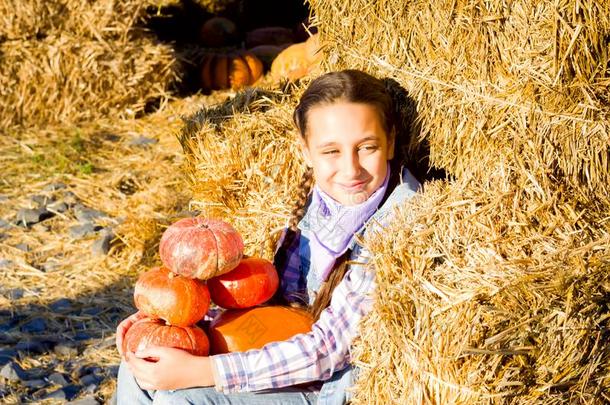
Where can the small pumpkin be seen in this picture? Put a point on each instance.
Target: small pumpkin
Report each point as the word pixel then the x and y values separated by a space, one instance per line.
pixel 238 330
pixel 251 283
pixel 269 36
pixel 218 31
pixel 297 60
pixel 201 247
pixel 235 70
pixel 267 53
pixel 178 300
pixel 155 332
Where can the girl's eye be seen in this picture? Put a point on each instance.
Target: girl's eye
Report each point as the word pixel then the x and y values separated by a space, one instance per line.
pixel 330 152
pixel 369 147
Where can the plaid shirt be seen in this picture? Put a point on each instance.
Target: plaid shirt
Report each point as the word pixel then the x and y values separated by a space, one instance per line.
pixel 316 355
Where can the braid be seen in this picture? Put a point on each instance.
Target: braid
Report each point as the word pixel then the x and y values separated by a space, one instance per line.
pixel 299 207
pixel 281 255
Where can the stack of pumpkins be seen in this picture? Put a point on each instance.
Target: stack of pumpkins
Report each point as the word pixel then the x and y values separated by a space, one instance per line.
pixel 202 261
pixel 268 48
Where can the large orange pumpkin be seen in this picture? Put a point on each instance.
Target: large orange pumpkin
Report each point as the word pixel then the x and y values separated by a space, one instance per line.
pixel 251 283
pixel 155 332
pixel 238 330
pixel 178 300
pixel 201 247
pixel 235 70
pixel 297 60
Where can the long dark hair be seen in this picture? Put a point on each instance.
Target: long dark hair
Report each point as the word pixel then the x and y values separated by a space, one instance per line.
pixel 356 87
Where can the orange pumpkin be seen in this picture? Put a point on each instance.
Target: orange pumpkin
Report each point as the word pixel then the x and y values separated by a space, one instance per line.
pixel 233 71
pixel 251 283
pixel 297 60
pixel 218 31
pixel 178 300
pixel 148 331
pixel 267 53
pixel 201 247
pixel 238 330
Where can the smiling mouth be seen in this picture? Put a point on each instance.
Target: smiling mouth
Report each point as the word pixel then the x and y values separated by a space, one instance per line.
pixel 354 186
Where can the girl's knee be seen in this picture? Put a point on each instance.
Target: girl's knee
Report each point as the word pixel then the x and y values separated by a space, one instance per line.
pixel 192 396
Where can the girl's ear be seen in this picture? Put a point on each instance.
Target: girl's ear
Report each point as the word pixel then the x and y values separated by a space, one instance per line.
pixel 305 151
pixel 391 142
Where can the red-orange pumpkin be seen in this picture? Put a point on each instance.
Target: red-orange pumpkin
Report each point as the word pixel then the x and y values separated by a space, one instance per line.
pixel 201 247
pixel 178 300
pixel 218 31
pixel 238 330
pixel 235 70
pixel 148 331
pixel 251 283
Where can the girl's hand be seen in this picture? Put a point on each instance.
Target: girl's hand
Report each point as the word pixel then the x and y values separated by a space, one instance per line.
pixel 123 327
pixel 173 370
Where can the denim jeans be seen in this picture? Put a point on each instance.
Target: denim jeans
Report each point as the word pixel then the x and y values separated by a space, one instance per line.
pixel 332 393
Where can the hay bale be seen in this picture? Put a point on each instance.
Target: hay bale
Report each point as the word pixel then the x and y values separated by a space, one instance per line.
pixel 242 164
pixel 36 19
pixel 513 89
pixel 486 298
pixel 65 78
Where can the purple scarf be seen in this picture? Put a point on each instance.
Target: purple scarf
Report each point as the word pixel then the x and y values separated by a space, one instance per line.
pixel 333 225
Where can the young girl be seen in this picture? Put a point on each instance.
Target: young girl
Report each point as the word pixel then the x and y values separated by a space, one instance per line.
pixel 347 122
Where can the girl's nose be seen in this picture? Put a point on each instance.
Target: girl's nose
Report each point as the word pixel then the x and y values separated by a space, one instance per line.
pixel 351 165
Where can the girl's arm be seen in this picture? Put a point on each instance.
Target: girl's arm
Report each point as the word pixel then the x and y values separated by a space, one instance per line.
pixel 305 357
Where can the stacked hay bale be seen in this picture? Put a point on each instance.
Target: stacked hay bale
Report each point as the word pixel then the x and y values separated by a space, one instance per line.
pixel 243 165
pixel 67 61
pixel 492 288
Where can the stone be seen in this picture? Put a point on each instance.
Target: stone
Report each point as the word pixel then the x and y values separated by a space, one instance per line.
pixel 82 336
pixel 5 224
pixel 69 198
pixel 58 206
pixel 66 349
pixel 51 265
pixel 36 383
pixel 7 355
pixel 87 400
pixel 28 216
pixel 3 197
pixel 61 305
pixel 142 141
pixel 101 246
pixel 13 372
pixel 86 214
pixel 34 346
pixel 91 379
pixel 23 247
pixel 80 231
pixel 5 263
pixel 113 371
pixel 92 311
pixel 36 325
pixel 41 200
pixel 13 293
pixel 58 379
pixel 55 186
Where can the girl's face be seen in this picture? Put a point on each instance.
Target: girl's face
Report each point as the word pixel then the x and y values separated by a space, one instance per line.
pixel 348 150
